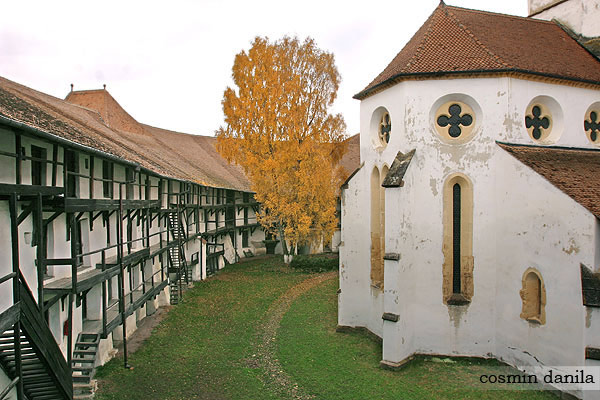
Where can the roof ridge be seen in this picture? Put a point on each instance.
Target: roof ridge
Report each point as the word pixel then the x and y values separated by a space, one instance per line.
pixel 476 39
pixel 511 16
pixel 415 56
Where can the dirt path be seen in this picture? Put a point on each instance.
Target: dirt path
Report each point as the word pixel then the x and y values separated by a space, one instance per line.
pixel 274 377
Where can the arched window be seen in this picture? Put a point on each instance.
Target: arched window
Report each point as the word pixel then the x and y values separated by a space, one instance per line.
pixel 458 240
pixel 377 234
pixel 533 295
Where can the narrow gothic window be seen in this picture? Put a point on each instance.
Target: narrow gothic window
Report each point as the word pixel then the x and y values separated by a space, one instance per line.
pixel 457 247
pixel 456 238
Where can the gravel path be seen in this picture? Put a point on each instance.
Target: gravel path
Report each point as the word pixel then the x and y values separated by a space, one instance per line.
pixel 274 377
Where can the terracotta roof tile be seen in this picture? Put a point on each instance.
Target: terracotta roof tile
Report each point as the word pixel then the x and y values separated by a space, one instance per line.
pixel 574 171
pixel 99 122
pixel 351 159
pixel 457 40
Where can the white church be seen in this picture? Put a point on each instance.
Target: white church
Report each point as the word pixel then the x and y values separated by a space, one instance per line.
pixel 479 187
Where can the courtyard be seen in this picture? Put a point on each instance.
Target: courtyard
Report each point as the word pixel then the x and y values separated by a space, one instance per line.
pixel 261 330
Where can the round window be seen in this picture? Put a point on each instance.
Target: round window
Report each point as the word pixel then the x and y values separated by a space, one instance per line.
pixel 591 123
pixel 385 127
pixel 380 128
pixel 543 120
pixel 454 121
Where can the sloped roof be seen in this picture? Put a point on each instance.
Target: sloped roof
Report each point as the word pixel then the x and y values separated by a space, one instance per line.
pixel 574 171
pixel 99 122
pixel 351 159
pixel 457 41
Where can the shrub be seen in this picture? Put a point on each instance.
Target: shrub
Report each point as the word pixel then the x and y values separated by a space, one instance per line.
pixel 315 263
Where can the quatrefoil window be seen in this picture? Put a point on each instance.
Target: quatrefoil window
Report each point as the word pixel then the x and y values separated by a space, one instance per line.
pixel 455 120
pixel 592 127
pixel 385 128
pixel 538 121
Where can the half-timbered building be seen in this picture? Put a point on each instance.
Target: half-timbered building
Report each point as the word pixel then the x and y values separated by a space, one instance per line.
pixel 104 220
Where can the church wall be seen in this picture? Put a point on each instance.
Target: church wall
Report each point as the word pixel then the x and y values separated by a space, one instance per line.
pixel 358 307
pixel 414 227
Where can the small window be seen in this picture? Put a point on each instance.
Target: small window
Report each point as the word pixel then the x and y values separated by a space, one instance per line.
pixel 38 165
pixel 533 296
pixel 591 123
pixel 107 176
pixel 454 121
pixel 385 128
pixel 129 177
pixel 538 122
pixel 245 216
pixel 544 120
pixel 72 170
pixel 244 238
pixel 380 128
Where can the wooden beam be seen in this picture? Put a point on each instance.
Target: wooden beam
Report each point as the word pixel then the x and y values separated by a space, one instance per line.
pixel 18 158
pixel 25 213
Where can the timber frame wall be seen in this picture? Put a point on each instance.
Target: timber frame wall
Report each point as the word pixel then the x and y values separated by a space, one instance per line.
pixel 94 238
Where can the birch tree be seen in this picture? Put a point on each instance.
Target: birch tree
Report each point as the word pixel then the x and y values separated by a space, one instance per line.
pixel 279 129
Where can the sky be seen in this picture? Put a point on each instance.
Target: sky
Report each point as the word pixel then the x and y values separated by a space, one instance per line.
pixel 168 63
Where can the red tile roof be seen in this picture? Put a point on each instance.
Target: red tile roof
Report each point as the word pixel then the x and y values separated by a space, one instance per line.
pixel 351 159
pixel 574 171
pixel 99 122
pixel 457 41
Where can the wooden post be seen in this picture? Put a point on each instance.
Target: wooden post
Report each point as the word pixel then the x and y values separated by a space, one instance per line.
pixel 19 154
pixel 38 218
pixel 54 163
pixel 14 232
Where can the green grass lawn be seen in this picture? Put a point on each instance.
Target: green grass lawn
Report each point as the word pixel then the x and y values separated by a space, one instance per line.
pixel 345 366
pixel 203 349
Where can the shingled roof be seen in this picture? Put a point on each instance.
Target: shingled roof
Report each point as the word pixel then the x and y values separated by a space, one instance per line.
pixel 462 41
pixel 95 119
pixel 574 171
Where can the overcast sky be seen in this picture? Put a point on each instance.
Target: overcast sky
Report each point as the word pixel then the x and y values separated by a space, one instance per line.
pixel 168 63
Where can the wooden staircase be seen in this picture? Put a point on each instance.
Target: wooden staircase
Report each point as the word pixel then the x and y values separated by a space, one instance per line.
pixel 38 382
pixel 180 273
pixel 83 364
pixel 43 368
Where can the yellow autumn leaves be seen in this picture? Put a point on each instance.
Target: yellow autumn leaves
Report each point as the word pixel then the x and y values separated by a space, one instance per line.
pixel 278 128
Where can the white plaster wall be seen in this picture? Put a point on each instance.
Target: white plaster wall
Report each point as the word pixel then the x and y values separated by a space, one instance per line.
pixel 580 15
pixel 6 300
pixel 7 164
pixel 359 305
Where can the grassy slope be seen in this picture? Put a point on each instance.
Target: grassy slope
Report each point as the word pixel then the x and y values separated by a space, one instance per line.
pixel 345 366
